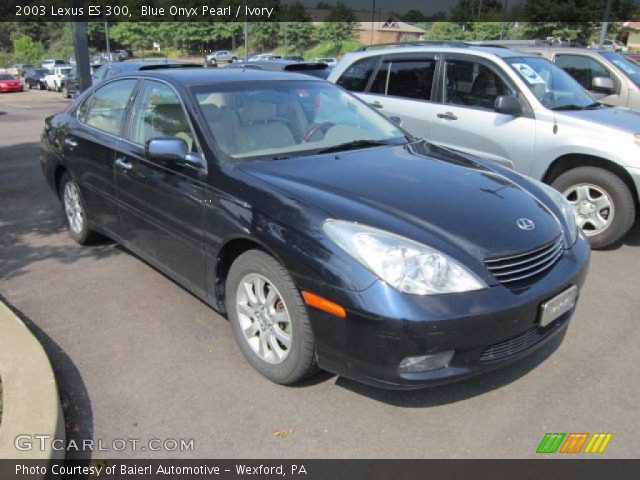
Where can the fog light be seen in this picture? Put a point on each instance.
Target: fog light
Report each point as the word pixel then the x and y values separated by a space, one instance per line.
pixel 425 363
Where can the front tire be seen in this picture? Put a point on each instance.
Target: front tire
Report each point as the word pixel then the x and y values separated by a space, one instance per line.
pixel 604 206
pixel 75 212
pixel 269 318
pixel 65 92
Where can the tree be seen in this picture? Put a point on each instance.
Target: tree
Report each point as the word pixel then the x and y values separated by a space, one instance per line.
pixel 137 35
pixel 297 30
pixel 26 50
pixel 413 16
pixel 338 26
pixel 446 31
pixel 488 30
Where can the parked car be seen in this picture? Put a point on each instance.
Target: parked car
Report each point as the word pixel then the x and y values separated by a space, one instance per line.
pixel 19 69
pixel 53 81
pixel 262 57
pixel 326 60
pixel 9 83
pixel 69 83
pixel 635 57
pixel 221 56
pixel 611 45
pixel 610 77
pixel 319 70
pixel 111 69
pixel 34 78
pixel 295 208
pixel 516 109
pixel 50 63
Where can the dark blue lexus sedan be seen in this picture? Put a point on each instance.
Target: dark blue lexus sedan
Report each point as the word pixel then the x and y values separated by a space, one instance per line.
pixel 329 236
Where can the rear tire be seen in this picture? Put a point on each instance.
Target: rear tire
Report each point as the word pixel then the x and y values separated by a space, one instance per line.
pixel 75 212
pixel 65 92
pixel 263 320
pixel 590 190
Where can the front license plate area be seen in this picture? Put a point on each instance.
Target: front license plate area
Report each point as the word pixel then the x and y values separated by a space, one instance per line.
pixel 558 305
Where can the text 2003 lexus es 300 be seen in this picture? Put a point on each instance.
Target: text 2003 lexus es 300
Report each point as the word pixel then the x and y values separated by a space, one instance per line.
pixel 330 237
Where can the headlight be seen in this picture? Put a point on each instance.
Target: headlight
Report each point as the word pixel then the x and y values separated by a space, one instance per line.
pixel 408 266
pixel 567 210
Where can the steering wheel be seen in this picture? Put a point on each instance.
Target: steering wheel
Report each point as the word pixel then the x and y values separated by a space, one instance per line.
pixel 315 128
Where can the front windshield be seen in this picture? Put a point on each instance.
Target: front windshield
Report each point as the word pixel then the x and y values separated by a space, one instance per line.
pixel 629 68
pixel 551 85
pixel 267 119
pixel 65 71
pixel 7 77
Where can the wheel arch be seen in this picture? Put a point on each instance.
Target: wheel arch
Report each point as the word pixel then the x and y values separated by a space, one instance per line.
pixel 58 171
pixel 228 252
pixel 570 161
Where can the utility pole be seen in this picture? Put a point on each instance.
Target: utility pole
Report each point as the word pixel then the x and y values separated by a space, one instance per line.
pixel 605 24
pixel 81 49
pixel 246 34
pixel 106 32
pixel 373 19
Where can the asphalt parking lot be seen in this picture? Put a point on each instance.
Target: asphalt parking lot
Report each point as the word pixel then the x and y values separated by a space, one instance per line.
pixel 136 356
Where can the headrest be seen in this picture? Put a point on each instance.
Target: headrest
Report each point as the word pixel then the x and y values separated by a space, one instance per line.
pixel 211 112
pixel 255 111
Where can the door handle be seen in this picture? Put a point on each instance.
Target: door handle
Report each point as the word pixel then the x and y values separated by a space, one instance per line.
pixel 70 142
pixel 376 104
pixel 123 164
pixel 447 116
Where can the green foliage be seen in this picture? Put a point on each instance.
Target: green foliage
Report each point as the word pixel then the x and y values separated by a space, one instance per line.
pixel 446 31
pixel 328 49
pixel 338 26
pixel 26 50
pixel 297 31
pixel 488 30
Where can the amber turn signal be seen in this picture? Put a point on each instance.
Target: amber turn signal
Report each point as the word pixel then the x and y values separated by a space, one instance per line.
pixel 323 304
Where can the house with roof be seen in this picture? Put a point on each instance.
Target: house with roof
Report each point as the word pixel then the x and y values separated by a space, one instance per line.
pixel 376 27
pixel 632 33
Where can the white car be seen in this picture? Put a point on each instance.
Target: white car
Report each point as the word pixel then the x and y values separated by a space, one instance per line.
pixel 326 60
pixel 53 80
pixel 51 63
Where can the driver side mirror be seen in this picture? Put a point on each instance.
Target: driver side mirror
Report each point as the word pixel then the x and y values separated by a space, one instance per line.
pixel 172 150
pixel 508 105
pixel 603 84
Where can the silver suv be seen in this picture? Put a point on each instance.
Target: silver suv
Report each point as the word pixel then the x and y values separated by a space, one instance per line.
pixel 611 77
pixel 514 108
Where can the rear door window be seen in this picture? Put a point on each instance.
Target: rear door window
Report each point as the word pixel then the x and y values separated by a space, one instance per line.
pixel 356 77
pixel 108 106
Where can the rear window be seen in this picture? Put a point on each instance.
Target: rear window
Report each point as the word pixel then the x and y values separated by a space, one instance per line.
pixel 356 77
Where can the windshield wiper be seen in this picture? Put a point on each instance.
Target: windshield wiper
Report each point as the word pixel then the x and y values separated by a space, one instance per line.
pixel 353 145
pixel 569 106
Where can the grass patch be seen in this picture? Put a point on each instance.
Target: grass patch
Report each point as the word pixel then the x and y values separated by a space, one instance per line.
pixel 328 49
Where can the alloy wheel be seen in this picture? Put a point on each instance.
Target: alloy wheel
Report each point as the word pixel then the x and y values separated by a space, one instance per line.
pixel 73 207
pixel 592 207
pixel 264 318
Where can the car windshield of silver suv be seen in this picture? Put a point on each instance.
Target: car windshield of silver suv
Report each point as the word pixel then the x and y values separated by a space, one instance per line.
pixel 554 87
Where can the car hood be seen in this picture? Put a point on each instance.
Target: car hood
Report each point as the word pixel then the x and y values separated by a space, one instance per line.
pixel 426 193
pixel 621 118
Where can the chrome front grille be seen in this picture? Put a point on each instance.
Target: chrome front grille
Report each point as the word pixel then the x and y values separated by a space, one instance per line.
pixel 517 270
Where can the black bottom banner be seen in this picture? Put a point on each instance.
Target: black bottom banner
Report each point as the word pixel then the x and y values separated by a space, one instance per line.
pixel 112 469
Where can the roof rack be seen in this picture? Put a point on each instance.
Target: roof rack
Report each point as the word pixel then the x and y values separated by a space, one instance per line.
pixel 420 43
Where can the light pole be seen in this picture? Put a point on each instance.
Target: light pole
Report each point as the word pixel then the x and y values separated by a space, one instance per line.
pixel 605 24
pixel 246 34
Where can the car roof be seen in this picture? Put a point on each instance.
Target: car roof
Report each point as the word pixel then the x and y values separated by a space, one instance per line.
pixel 483 50
pixel 551 48
pixel 188 76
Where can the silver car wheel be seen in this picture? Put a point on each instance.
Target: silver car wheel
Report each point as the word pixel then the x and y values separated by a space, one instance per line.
pixel 73 207
pixel 264 318
pixel 592 207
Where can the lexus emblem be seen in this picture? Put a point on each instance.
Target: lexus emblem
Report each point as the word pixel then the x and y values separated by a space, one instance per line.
pixel 525 224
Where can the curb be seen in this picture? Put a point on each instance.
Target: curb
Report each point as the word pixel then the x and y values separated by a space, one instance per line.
pixel 31 404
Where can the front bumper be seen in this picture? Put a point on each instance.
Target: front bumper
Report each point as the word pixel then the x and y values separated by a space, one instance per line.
pixel 487 329
pixel 17 88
